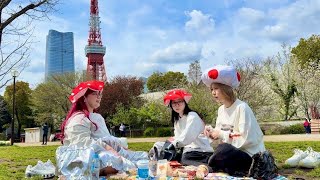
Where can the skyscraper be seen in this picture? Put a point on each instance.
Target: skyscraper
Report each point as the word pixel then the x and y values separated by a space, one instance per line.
pixel 59 53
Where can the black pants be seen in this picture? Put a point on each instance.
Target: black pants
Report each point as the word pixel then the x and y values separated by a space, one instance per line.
pixel 230 160
pixel 44 137
pixel 122 134
pixel 308 129
pixel 195 158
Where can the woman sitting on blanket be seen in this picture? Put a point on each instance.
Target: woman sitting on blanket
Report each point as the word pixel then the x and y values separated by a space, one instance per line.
pixel 83 128
pixel 236 126
pixel 188 130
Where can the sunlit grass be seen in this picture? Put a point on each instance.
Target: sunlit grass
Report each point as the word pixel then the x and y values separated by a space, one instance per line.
pixel 14 160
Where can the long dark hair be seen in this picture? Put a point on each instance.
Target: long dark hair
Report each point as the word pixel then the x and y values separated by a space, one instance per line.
pixel 175 116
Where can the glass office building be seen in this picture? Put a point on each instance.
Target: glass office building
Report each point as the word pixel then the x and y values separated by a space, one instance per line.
pixel 59 53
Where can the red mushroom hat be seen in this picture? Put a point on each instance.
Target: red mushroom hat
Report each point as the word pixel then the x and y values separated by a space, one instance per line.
pixel 222 74
pixel 176 94
pixel 82 88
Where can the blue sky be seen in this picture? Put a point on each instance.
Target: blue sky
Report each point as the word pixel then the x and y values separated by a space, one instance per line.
pixel 144 36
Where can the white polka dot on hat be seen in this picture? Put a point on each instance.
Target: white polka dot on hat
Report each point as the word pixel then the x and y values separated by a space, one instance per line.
pixel 222 74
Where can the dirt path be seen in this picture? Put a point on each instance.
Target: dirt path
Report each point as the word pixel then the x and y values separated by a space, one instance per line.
pixel 270 138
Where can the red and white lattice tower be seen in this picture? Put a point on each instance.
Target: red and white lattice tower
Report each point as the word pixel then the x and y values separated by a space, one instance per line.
pixel 95 50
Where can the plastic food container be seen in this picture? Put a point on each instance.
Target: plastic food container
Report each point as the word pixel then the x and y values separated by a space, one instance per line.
pixel 143 169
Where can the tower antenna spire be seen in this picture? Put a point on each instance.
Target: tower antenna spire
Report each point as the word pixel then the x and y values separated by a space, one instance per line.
pixel 95 50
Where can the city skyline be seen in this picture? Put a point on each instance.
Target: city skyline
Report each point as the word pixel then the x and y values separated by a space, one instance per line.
pixel 146 36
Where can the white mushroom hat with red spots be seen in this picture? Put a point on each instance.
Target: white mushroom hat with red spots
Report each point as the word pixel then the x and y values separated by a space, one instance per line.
pixel 82 88
pixel 176 94
pixel 222 74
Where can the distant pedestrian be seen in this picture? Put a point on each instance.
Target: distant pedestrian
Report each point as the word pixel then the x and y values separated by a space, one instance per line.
pixel 122 130
pixel 307 126
pixel 45 134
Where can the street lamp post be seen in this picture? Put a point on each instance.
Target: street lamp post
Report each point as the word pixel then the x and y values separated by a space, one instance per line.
pixel 14 74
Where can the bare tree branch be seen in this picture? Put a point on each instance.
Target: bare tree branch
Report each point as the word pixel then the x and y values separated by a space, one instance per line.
pixel 16 32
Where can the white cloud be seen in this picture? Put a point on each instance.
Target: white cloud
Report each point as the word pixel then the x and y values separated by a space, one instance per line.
pixel 135 16
pixel 290 23
pixel 143 38
pixel 177 53
pixel 199 22
pixel 249 15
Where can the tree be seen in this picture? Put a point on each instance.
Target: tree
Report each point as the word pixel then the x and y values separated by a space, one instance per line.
pixel 279 75
pixel 307 83
pixel 154 114
pixel 23 112
pixel 121 91
pixel 165 81
pixel 5 117
pixel 307 52
pixel 252 87
pixel 126 116
pixel 194 73
pixel 50 100
pixel 16 19
pixel 154 82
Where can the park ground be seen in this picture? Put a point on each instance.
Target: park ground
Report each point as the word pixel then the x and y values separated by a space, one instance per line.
pixel 14 159
pixel 267 138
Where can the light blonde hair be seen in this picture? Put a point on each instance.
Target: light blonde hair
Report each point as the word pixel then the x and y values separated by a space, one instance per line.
pixel 226 90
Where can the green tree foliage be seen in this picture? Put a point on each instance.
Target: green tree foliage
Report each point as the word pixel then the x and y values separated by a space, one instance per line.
pixel 165 81
pixel 5 117
pixel 280 77
pixel 307 52
pixel 50 101
pixel 154 82
pixel 194 73
pixel 121 90
pixel 126 116
pixel 153 114
pixel 23 112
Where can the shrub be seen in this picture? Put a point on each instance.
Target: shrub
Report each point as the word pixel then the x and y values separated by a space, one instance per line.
pixel 5 143
pixel 271 129
pixel 3 137
pixel 293 129
pixel 164 132
pixel 149 132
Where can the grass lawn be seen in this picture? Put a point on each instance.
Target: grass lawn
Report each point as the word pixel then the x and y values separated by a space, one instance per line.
pixel 14 160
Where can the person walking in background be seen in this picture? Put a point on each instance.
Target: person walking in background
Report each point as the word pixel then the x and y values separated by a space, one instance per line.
pixel 45 134
pixel 307 126
pixel 122 130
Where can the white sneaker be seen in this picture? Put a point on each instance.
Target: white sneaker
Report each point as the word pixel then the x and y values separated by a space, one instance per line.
pixel 311 161
pixel 46 170
pixel 297 157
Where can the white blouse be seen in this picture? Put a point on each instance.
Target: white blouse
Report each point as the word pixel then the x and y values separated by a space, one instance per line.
pixel 188 133
pixel 80 131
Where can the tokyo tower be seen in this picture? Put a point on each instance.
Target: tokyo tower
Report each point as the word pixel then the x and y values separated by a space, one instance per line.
pixel 95 50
